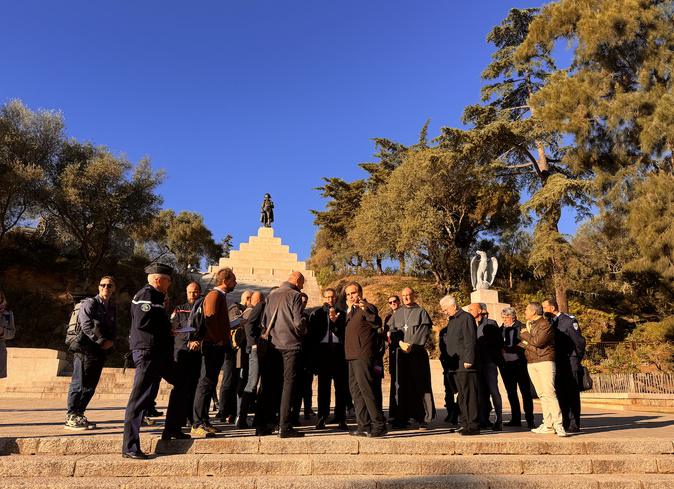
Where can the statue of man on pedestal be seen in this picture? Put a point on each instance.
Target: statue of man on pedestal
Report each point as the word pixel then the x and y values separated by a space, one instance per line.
pixel 267 211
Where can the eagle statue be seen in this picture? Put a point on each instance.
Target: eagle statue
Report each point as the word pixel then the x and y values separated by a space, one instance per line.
pixel 482 270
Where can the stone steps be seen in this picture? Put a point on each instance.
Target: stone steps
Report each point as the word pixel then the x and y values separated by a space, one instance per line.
pixel 657 481
pixel 240 465
pixel 399 443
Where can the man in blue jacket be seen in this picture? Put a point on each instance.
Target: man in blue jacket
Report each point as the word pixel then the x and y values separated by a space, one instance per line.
pixel 97 319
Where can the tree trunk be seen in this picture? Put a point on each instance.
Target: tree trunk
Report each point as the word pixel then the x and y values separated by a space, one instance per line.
pixel 401 259
pixel 380 270
pixel 560 295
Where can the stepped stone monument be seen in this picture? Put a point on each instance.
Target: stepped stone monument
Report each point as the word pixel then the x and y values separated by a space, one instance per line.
pixel 482 274
pixel 262 263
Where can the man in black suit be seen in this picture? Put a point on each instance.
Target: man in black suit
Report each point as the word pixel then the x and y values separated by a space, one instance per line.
pixel 362 327
pixel 461 349
pixel 327 331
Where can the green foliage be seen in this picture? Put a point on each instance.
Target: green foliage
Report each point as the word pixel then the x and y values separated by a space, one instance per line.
pixel 186 236
pixel 651 345
pixel 29 143
pixel 92 198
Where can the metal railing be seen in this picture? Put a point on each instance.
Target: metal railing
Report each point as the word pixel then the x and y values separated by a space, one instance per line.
pixel 652 383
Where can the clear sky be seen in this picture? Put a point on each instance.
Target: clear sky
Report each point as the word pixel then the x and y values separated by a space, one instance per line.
pixel 237 98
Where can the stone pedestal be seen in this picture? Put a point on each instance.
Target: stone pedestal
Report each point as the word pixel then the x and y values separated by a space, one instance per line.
pixel 489 297
pixel 36 364
pixel 264 262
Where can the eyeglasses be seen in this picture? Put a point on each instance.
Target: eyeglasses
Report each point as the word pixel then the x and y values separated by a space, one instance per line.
pixel 106 286
pixel 392 302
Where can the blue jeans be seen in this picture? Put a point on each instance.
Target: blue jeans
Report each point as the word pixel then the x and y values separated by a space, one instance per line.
pixel 86 374
pixel 253 372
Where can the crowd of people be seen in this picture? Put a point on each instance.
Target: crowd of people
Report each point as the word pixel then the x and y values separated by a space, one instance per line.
pixel 269 349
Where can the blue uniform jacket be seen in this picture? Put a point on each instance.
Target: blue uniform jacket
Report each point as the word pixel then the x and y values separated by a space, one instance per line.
pixel 150 324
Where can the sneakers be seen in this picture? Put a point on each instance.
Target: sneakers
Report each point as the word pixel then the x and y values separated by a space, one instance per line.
pixel 544 430
pixel 90 425
pixel 75 422
pixel 211 429
pixel 560 431
pixel 201 432
pixel 147 421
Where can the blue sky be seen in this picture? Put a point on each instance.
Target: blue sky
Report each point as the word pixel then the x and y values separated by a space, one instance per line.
pixel 237 98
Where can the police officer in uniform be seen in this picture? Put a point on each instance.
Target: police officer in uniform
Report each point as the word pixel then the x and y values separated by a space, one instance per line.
pixel 151 346
pixel 569 351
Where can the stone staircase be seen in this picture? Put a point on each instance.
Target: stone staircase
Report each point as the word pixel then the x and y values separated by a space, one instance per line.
pixel 439 460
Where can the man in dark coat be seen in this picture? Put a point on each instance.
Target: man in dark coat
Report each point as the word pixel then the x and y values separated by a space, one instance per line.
pixel 151 345
pixel 514 370
pixel 461 349
pixel 489 346
pixel 569 352
pixel 327 326
pixel 187 353
pixel 362 327
pixel 286 325
pixel 414 393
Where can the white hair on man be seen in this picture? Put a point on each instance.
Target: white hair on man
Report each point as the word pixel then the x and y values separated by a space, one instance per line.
pixel 509 311
pixel 447 301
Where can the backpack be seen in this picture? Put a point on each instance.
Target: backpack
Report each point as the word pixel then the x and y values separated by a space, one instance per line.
pixel 74 329
pixel 197 319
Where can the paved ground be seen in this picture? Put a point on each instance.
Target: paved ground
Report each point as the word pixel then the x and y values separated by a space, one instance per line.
pixel 34 417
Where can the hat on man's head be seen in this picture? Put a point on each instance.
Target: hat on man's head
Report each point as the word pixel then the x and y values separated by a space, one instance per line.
pixel 159 268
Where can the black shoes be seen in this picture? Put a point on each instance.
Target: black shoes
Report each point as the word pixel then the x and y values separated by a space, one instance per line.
pixel 263 431
pixel 178 435
pixel 291 433
pixel 342 426
pixel 320 424
pixel 377 434
pixel 469 432
pixel 359 433
pixel 498 426
pixel 135 455
pixel 513 423
pixel 153 413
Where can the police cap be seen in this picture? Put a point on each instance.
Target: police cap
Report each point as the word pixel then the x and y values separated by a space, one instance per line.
pixel 159 268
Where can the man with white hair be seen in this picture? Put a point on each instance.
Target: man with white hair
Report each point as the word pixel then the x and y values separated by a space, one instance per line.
pixel 461 352
pixel 151 346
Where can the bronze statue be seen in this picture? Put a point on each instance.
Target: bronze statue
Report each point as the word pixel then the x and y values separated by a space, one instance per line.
pixel 267 211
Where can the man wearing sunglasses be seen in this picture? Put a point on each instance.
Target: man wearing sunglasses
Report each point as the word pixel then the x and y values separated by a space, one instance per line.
pixel 97 319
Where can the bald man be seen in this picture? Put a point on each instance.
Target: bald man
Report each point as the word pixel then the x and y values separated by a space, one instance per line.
pixel 412 385
pixel 286 326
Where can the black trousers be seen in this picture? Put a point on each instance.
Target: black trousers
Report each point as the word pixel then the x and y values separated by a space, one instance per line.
pixel 87 368
pixel 189 362
pixel 515 374
pixel 230 382
pixel 489 394
pixel 451 390
pixel 362 384
pixel 151 367
pixel 270 384
pixel 291 360
pixel 467 383
pixel 392 370
pixel 568 393
pixel 332 368
pixel 212 357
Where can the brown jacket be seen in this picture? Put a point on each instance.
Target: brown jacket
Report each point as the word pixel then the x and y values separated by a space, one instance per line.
pixel 217 318
pixel 539 343
pixel 361 331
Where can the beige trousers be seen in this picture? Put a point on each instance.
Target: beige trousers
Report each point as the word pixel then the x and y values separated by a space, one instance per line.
pixel 542 375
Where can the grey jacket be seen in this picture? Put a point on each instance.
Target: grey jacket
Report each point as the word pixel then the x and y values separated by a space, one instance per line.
pixel 284 306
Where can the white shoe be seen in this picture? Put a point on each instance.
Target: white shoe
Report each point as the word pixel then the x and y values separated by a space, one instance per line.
pixel 543 430
pixel 560 431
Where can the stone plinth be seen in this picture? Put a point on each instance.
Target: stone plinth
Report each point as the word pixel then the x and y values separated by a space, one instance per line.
pixel 265 262
pixel 489 297
pixel 36 364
